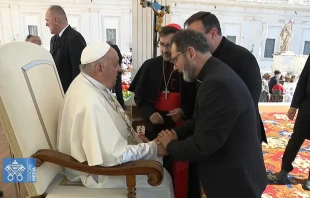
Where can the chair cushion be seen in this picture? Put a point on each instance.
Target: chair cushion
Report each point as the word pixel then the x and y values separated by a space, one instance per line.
pixel 59 188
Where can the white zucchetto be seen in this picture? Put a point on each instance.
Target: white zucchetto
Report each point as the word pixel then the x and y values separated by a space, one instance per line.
pixel 94 52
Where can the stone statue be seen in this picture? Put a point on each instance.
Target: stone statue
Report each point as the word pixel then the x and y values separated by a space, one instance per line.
pixel 286 37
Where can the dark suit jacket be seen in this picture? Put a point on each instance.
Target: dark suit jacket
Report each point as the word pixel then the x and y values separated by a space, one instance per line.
pixel 118 86
pixel 244 63
pixel 272 82
pixel 67 55
pixel 222 138
pixel 302 90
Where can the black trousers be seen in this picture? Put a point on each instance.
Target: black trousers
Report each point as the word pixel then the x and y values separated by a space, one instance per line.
pixel 301 132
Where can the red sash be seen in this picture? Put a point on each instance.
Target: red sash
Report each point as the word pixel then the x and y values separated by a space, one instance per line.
pixel 180 169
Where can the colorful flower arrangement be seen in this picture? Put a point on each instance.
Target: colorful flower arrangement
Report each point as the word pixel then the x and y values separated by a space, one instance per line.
pixel 126 93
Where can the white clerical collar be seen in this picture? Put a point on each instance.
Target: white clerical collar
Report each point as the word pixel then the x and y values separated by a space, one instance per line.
pixel 96 83
pixel 62 31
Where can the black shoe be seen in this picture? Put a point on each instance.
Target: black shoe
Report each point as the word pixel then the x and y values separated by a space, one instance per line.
pixel 1 193
pixel 306 185
pixel 282 177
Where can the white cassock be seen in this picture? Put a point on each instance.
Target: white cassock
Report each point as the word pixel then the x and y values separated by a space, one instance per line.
pixel 91 130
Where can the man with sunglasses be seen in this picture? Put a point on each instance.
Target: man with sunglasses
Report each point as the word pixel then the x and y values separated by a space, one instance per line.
pixel 241 60
pixel 164 98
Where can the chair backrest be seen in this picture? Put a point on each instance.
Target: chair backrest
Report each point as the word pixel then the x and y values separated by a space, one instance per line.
pixel 30 98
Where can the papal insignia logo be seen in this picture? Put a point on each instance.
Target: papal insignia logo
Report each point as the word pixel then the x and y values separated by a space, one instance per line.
pixel 18 170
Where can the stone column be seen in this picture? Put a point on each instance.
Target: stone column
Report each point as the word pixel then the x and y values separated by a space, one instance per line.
pixel 142 36
pixel 142 32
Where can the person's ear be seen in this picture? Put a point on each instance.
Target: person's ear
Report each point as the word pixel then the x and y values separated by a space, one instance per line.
pixel 191 53
pixel 56 20
pixel 98 69
pixel 213 32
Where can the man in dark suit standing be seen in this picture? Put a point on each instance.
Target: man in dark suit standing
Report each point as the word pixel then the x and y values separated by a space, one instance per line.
pixel 66 45
pixel 118 86
pixel 236 57
pixel 221 138
pixel 301 101
pixel 274 80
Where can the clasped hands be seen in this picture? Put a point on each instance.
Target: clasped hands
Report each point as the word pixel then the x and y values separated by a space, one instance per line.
pixel 162 140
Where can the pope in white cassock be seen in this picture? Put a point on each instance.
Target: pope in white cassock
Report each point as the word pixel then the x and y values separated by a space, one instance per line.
pixel 92 126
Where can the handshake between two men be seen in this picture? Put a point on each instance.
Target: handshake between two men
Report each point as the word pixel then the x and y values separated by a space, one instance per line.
pixel 162 140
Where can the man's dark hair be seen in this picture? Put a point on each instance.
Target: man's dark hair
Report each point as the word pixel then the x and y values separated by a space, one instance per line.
pixel 166 30
pixel 189 38
pixel 208 20
pixel 120 57
pixel 277 72
pixel 28 37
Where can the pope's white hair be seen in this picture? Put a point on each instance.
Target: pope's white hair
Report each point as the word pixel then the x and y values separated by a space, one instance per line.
pixel 86 68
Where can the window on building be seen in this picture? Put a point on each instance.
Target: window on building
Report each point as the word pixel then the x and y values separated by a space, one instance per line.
pixel 33 30
pixel 269 48
pixel 307 48
pixel 111 35
pixel 232 38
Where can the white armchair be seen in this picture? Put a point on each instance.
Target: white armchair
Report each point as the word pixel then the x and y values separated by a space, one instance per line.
pixel 30 99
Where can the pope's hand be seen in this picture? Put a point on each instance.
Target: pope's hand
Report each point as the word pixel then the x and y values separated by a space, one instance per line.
pixel 176 114
pixel 143 138
pixel 164 137
pixel 161 151
pixel 291 113
pixel 156 141
pixel 156 118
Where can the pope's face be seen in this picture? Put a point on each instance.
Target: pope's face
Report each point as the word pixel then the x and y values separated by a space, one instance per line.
pixel 111 68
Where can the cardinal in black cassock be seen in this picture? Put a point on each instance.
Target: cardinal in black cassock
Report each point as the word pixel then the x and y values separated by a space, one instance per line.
pixel 164 98
pixel 150 90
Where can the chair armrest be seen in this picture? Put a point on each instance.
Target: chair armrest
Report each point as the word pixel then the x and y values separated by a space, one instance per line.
pixel 152 169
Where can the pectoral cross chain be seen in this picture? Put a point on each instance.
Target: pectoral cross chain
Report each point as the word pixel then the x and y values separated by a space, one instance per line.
pixel 166 82
pixel 166 93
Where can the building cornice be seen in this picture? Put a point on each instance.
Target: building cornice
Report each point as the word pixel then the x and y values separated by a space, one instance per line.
pixel 241 3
